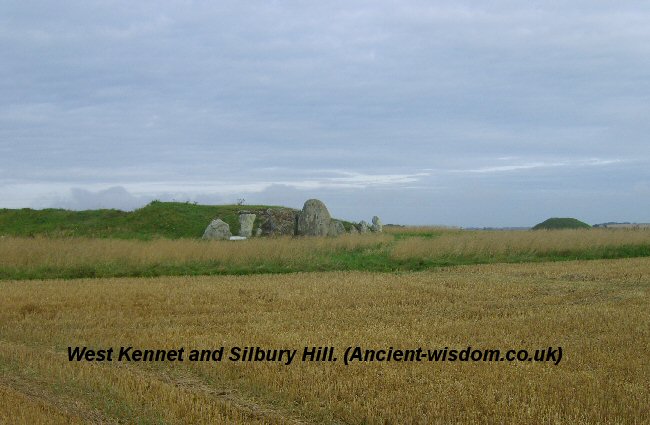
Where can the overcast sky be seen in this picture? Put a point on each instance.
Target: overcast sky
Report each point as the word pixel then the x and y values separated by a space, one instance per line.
pixel 474 113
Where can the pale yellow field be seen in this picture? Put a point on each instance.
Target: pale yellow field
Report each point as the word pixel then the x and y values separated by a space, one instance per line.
pixel 491 243
pixel 598 311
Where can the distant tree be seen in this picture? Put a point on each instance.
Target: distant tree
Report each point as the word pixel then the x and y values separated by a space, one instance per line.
pixel 241 201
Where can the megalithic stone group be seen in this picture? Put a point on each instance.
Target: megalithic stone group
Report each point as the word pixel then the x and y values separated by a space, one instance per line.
pixel 313 220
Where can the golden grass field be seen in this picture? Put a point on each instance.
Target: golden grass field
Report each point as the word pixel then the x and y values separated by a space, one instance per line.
pixel 491 243
pixel 485 246
pixel 598 311
pixel 53 252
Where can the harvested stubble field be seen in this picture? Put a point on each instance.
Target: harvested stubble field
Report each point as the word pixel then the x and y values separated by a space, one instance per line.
pixel 597 311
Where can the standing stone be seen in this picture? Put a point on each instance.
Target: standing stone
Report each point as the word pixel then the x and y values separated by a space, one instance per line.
pixel 377 226
pixel 336 228
pixel 353 229
pixel 217 229
pixel 363 227
pixel 246 221
pixel 278 222
pixel 314 219
pixel 258 232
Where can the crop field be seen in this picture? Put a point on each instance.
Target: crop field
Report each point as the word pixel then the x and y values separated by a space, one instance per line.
pixel 598 312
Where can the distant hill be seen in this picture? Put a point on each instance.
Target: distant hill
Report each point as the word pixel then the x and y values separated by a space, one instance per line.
pixel 561 223
pixel 158 219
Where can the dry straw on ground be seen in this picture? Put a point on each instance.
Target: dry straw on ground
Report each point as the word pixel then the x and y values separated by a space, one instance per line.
pixel 598 311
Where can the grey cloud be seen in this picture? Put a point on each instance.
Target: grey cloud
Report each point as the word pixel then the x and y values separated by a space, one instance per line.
pixel 114 197
pixel 542 164
pixel 155 96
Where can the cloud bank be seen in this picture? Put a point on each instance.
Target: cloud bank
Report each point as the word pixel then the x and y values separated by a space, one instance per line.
pixel 464 113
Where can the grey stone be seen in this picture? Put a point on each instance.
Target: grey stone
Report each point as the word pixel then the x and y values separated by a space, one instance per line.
pixel 377 225
pixel 278 222
pixel 246 221
pixel 314 219
pixel 217 229
pixel 336 228
pixel 353 230
pixel 238 238
pixel 258 232
pixel 363 227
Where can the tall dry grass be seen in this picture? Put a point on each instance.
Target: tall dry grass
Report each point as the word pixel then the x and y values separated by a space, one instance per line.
pixel 488 244
pixel 32 258
pixel 419 230
pixel 71 252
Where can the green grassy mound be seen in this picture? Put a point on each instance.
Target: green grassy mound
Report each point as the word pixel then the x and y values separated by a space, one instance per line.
pixel 561 223
pixel 171 220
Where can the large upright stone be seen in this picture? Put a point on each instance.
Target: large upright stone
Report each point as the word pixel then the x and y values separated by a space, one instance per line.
pixel 246 221
pixel 363 227
pixel 278 222
pixel 336 228
pixel 314 219
pixel 377 225
pixel 217 229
